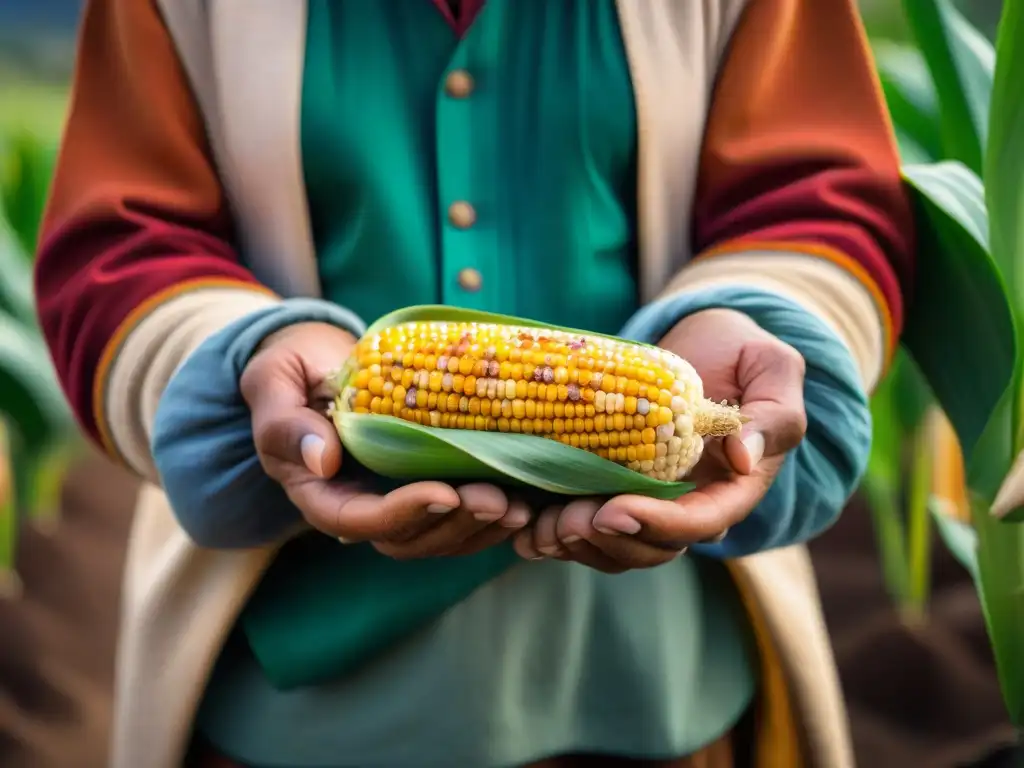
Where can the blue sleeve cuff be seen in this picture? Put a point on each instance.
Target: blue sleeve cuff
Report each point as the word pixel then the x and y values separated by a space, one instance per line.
pixel 820 475
pixel 202 441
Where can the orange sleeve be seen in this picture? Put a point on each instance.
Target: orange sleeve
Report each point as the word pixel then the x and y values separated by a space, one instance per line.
pixel 137 215
pixel 799 154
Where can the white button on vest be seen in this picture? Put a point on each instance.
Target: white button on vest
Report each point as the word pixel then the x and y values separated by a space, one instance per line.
pixel 459 84
pixel 470 280
pixel 461 214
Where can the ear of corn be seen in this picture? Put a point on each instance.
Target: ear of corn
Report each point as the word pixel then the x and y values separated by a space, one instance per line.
pixel 489 388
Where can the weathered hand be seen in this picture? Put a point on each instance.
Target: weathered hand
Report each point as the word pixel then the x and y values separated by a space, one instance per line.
pixel 737 361
pixel 285 386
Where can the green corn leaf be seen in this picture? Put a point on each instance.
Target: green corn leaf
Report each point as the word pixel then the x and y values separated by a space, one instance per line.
pixel 919 529
pixel 910 392
pixel 403 450
pixel 961 330
pixel 909 150
pixel 29 395
pixel 882 488
pixel 888 432
pixel 1000 559
pixel 8 515
pixel 27 170
pixel 962 63
pixel 912 101
pixel 959 537
pixel 16 295
pixel 45 472
pixel 898 406
pixel 882 485
pixel 1004 174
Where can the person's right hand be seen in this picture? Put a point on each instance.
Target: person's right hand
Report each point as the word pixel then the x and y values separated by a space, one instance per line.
pixel 285 386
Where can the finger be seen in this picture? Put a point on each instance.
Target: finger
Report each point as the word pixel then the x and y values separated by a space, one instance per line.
pixel 517 517
pixel 291 438
pixel 771 377
pixel 717 539
pixel 522 543
pixel 713 464
pixel 575 527
pixel 295 442
pixel 608 553
pixel 346 511
pixel 487 503
pixel 585 553
pixel 545 538
pixel 699 515
pixel 744 451
pixel 576 522
pixel 632 553
pixel 275 385
pixel 480 506
pixel 709 512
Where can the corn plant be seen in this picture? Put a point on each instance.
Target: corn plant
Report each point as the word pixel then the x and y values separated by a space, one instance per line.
pixel 949 415
pixel 36 435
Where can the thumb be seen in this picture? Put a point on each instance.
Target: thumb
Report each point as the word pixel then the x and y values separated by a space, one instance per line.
pixel 744 451
pixel 299 441
pixel 770 375
pixel 292 439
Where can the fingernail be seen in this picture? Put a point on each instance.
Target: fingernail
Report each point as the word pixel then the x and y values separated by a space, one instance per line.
pixel 718 538
pixel 550 551
pixel 312 449
pixel 439 509
pixel 754 443
pixel 487 517
pixel 613 525
pixel 571 539
pixel 515 518
pixel 342 540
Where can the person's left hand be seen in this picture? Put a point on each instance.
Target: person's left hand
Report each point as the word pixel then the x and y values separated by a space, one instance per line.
pixel 737 361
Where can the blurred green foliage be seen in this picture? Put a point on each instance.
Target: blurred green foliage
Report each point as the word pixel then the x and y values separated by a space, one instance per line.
pixel 36 426
pixel 948 417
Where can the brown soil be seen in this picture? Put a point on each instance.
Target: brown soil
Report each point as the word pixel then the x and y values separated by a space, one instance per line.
pixel 57 640
pixel 924 697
